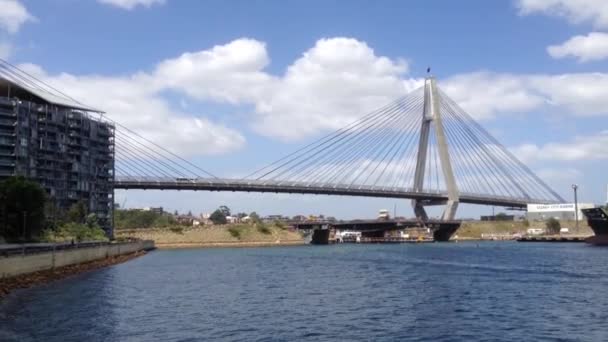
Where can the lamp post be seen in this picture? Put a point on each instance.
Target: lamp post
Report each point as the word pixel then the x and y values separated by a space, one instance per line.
pixel 575 187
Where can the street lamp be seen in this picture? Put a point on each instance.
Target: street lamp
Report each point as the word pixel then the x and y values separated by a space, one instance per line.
pixel 575 187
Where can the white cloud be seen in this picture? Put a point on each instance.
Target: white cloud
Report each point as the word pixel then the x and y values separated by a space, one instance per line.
pixel 231 73
pixel 5 49
pixel 575 11
pixel 561 175
pixel 131 4
pixel 591 47
pixel 135 102
pixel 12 15
pixel 340 79
pixel 591 147
pixel 486 94
pixel 331 84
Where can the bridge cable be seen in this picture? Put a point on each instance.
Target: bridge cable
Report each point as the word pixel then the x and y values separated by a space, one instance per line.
pixel 132 143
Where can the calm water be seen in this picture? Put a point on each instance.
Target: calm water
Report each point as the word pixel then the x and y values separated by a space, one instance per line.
pixel 441 292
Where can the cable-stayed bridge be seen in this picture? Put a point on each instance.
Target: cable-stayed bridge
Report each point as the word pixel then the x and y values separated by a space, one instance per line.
pixel 422 146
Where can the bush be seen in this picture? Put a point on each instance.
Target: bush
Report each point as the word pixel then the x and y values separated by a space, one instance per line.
pixel 218 217
pixel 22 205
pixel 235 232
pixel 75 231
pixel 553 226
pixel 177 229
pixel 138 219
pixel 264 230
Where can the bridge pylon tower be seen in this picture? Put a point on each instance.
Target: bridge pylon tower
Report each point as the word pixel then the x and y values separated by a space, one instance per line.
pixel 431 117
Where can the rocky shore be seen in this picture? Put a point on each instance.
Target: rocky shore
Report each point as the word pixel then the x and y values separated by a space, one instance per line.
pixel 32 279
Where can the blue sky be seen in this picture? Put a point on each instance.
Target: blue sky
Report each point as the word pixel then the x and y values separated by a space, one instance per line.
pixel 534 73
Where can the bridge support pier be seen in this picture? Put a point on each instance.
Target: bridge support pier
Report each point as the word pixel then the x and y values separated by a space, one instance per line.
pixel 444 231
pixel 431 114
pixel 320 237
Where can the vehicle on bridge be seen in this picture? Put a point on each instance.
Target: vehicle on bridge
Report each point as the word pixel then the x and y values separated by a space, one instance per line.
pixel 383 214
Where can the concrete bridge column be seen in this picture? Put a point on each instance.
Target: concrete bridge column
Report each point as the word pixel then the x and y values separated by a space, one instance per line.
pixel 320 236
pixel 444 231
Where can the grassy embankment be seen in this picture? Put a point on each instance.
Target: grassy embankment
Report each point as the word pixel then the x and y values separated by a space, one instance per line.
pixel 215 236
pixel 475 229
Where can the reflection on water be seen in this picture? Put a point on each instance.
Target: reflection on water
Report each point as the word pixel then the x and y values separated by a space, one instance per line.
pixel 465 291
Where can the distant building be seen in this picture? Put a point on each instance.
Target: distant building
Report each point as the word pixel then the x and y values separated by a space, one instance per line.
pixel 299 218
pixel 232 219
pixel 186 220
pixel 561 211
pixel 56 142
pixel 498 218
pixel 156 210
pixel 272 218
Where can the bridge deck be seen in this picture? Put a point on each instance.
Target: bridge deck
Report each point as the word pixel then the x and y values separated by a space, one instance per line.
pixel 366 225
pixel 214 184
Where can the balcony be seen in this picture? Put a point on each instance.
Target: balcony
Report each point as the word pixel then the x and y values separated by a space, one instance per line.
pixel 8 123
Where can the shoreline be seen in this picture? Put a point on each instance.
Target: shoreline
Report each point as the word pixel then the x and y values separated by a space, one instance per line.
pixel 228 244
pixel 8 285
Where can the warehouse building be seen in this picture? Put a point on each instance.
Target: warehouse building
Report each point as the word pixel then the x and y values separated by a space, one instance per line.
pixel 58 143
pixel 561 211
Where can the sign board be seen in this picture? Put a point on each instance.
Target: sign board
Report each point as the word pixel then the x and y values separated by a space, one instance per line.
pixel 539 208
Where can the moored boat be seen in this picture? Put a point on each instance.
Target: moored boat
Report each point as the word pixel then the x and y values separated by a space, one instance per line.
pixel 597 218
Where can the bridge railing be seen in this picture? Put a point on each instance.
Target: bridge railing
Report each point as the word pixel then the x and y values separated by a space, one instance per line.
pixel 309 186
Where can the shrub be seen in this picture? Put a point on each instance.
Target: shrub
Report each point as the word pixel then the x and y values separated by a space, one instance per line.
pixel 75 231
pixel 264 230
pixel 235 232
pixel 553 226
pixel 218 217
pixel 22 202
pixel 177 229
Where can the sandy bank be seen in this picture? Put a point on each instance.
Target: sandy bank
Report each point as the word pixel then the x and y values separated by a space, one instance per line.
pixel 216 236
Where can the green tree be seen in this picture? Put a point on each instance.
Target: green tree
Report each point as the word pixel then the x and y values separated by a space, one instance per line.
pixel 138 219
pixel 22 203
pixel 553 226
pixel 225 210
pixel 79 232
pixel 218 217
pixel 77 213
pixel 255 218
pixel 92 221
pixel 54 216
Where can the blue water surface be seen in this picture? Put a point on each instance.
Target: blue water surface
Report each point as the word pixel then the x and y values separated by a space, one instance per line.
pixel 503 291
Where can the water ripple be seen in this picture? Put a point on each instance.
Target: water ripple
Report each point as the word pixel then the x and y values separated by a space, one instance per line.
pixel 439 292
